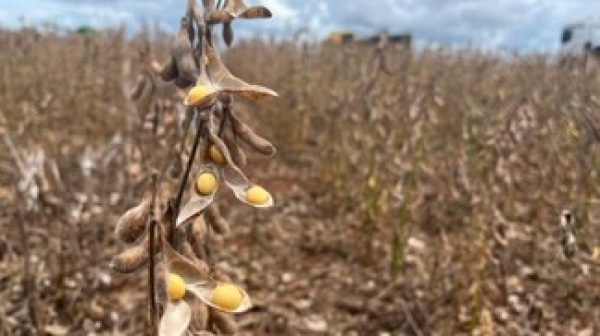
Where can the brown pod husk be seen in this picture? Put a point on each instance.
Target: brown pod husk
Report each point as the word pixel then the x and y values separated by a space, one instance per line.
pixel 235 7
pixel 183 83
pixel 196 236
pixel 199 316
pixel 161 285
pixel 227 33
pixel 198 228
pixel 256 12
pixel 219 16
pixel 132 224
pixel 246 134
pixel 183 55
pixel 189 252
pixel 132 258
pixel 190 20
pixel 168 72
pixel 220 276
pixel 217 222
pixel 237 154
pixel 222 322
pixel 209 5
pixel 139 87
pixel 176 167
pixel 223 80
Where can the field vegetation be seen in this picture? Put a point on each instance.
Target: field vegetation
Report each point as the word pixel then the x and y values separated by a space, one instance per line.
pixel 416 192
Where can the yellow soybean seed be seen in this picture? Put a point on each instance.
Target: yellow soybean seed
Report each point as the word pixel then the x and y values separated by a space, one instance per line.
pixel 206 184
pixel 257 195
pixel 227 296
pixel 199 95
pixel 215 155
pixel 175 287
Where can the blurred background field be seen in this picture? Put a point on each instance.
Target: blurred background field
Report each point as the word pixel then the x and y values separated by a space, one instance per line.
pixel 418 192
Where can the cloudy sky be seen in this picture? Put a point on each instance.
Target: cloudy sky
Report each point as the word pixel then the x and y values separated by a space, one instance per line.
pixel 504 24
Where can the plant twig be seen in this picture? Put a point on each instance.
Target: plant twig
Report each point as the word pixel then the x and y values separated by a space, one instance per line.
pixel 28 283
pixel 185 177
pixel 152 252
pixel 152 277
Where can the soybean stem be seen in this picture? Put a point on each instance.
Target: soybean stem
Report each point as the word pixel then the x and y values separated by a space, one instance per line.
pixel 184 179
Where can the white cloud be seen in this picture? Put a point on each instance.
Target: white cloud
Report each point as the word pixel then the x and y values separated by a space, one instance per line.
pixel 524 24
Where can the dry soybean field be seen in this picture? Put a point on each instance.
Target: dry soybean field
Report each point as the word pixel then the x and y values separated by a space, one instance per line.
pixel 434 191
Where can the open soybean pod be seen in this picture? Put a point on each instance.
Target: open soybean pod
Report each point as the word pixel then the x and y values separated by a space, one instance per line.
pixel 202 194
pixel 224 81
pixel 243 190
pixel 202 94
pixel 223 296
pixel 246 134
